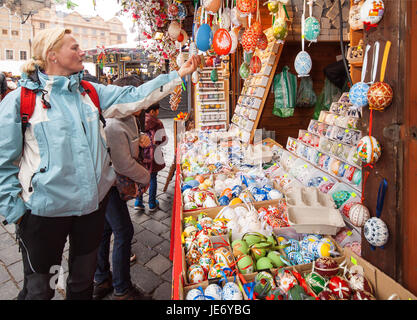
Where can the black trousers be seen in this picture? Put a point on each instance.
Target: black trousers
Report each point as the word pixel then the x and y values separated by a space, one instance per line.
pixel 42 241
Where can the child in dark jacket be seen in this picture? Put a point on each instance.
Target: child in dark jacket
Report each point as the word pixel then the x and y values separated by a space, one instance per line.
pixel 153 158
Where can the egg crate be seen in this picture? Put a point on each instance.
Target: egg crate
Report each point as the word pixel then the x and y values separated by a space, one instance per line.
pixel 311 211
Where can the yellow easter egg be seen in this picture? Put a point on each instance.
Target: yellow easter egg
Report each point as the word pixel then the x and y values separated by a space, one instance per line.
pixel 235 201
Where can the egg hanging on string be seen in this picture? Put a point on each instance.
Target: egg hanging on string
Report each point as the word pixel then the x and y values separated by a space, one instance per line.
pixel 380 96
pixel 376 232
pixel 358 94
pixel 312 29
pixel 303 64
pixel 372 11
pixel 204 37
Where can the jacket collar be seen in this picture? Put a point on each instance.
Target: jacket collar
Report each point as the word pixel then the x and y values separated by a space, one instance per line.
pixel 39 80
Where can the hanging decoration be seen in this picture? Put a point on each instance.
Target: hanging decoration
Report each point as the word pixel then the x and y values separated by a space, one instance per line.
pixel 303 63
pixel 212 6
pixel 255 64
pixel 312 25
pixel 101 59
pixel 371 13
pixel 358 94
pixel 222 42
pixel 204 37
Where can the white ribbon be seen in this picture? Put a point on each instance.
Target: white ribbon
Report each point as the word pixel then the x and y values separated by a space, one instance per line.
pixel 365 62
pixel 375 61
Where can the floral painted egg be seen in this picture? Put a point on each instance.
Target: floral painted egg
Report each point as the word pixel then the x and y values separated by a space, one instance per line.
pixel 369 149
pixel 326 267
pixel 262 42
pixel 316 282
pixel 204 243
pixel 192 256
pixel 372 11
pixel 362 295
pixel 327 295
pixel 380 96
pixel 257 29
pixel 204 37
pixel 231 291
pixel 206 261
pixel 195 274
pixel 303 64
pixel 182 11
pixel 217 271
pixel 172 11
pixel 194 294
pixel 358 94
pixel 212 6
pixel 244 6
pixel 222 42
pixel 244 70
pixel 285 280
pixel 280 29
pixel 358 281
pixel 255 64
pixel 213 292
pixel 376 232
pixel 359 214
pixel 312 29
pixel 249 39
pixel 222 255
pixel 339 287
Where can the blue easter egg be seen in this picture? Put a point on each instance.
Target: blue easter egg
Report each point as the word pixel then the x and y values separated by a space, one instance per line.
pixel 204 37
pixel 303 64
pixel 224 201
pixel 193 183
pixel 312 29
pixel 236 190
pixel 185 187
pixel 358 94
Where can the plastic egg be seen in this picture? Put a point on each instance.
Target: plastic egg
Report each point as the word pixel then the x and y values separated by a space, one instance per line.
pixel 213 292
pixel 194 294
pixel 204 37
pixel 303 64
pixel 312 29
pixel 369 149
pixel 372 11
pixel 231 291
pixel 380 96
pixel 376 232
pixel 359 214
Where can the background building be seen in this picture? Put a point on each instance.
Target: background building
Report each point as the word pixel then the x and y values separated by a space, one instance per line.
pixel 16 37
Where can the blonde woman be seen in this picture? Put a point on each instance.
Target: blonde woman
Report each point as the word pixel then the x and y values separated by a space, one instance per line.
pixel 55 177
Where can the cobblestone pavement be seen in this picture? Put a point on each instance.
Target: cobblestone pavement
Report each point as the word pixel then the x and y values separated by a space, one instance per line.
pixel 151 243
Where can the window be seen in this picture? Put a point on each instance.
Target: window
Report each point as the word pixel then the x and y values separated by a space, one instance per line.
pixel 23 55
pixel 93 32
pixel 85 30
pixel 41 25
pixel 119 37
pixel 4 31
pixel 76 30
pixel 85 44
pixel 15 33
pixel 102 33
pixel 9 54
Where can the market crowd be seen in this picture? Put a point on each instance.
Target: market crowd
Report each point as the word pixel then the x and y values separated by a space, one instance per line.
pixel 73 152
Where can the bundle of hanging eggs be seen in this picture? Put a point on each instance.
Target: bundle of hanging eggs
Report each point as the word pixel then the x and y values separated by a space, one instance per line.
pixel 175 97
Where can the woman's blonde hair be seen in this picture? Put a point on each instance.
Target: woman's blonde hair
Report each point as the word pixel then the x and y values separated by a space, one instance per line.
pixel 44 41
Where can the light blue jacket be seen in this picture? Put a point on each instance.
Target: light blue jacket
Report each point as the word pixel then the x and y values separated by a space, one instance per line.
pixel 65 169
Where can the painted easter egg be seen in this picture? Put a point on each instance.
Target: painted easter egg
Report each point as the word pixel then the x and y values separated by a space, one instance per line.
pixel 285 280
pixel 339 287
pixel 280 29
pixel 262 42
pixel 362 295
pixel 264 283
pixel 174 30
pixel 358 94
pixel 195 274
pixel 245 264
pixel 213 292
pixel 204 37
pixel 369 149
pixel 372 11
pixel 222 255
pixel 326 266
pixel 358 281
pixel 212 6
pixel 244 70
pixel 182 11
pixel 206 261
pixel 359 214
pixel 194 294
pixel 312 29
pixel 316 282
pixel 303 64
pixel 222 42
pixel 231 291
pixel 380 96
pixel 255 64
pixel 376 232
pixel 248 40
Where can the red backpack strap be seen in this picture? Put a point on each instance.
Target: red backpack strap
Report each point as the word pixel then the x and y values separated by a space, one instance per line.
pixel 92 93
pixel 27 106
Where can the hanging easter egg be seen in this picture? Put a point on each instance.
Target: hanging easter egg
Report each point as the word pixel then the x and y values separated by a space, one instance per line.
pixel 280 29
pixel 231 291
pixel 226 20
pixel 212 6
pixel 234 17
pixel 339 287
pixel 183 37
pixel 262 42
pixel 242 18
pixel 204 37
pixel 222 42
pixel 174 30
pixel 253 6
pixel 244 6
pixel 371 12
pixel 182 11
pixel 195 274
pixel 368 149
pixel 247 56
pixel 213 292
pixel 248 40
pixel 206 261
pixel 244 70
pixel 256 28
pixel 358 214
pixel 376 232
pixel 358 94
pixel 214 76
pixel 233 36
pixel 172 11
pixel 255 65
pixel 303 64
pixel 312 29
pixel 195 77
pixel 273 6
pixel 380 96
pixel 194 294
pixel 192 49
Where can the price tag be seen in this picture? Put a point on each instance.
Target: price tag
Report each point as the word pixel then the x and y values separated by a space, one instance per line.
pixel 353 260
pixel 325 179
pixel 305 166
pixel 353 194
pixel 290 157
pixel 307 134
pixel 347 130
pixel 285 175
pixel 349 233
pixel 339 145
pixel 346 166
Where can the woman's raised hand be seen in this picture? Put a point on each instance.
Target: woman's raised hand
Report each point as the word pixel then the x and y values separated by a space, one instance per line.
pixel 189 66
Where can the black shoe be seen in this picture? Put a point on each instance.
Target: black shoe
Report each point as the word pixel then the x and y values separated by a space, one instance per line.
pixel 103 289
pixel 133 293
